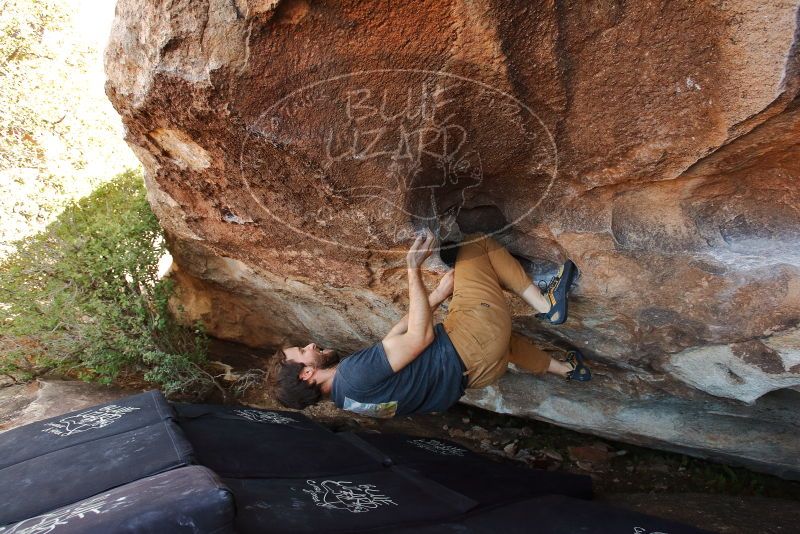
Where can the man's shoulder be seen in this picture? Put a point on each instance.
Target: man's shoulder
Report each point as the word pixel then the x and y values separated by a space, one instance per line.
pixel 363 369
pixel 367 356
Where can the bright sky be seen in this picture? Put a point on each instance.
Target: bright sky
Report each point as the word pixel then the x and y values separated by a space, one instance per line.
pixel 93 21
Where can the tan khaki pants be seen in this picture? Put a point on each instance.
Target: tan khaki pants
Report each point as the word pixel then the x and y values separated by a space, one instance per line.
pixel 479 320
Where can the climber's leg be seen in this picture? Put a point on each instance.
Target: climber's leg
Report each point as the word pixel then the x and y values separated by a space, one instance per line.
pixel 557 367
pixel 525 354
pixel 479 320
pixel 483 256
pixel 511 276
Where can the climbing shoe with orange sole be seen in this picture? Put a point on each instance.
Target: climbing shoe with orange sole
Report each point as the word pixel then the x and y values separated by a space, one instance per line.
pixel 557 291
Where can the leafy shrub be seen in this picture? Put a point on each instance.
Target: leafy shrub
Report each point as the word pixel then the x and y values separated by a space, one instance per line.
pixel 84 298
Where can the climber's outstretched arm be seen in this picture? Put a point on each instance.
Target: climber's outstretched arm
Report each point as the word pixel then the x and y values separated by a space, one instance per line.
pixel 401 349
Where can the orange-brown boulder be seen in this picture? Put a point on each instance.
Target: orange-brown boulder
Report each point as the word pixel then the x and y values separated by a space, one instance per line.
pixel 292 147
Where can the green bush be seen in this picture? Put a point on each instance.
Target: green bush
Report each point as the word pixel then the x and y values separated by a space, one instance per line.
pixel 83 298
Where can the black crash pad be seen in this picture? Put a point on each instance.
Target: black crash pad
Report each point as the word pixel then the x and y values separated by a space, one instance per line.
pixel 71 474
pixel 468 473
pixel 185 500
pixel 344 503
pixel 240 442
pixel 81 426
pixel 403 449
pixel 554 514
pixel 120 467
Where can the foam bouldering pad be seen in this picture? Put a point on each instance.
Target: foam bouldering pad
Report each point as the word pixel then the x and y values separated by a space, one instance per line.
pixel 468 473
pixel 185 500
pixel 555 514
pixel 67 475
pixel 493 483
pixel 81 426
pixel 345 503
pixel 403 449
pixel 239 442
pixel 123 467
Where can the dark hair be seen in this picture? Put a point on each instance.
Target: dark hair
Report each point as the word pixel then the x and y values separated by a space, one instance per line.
pixel 290 389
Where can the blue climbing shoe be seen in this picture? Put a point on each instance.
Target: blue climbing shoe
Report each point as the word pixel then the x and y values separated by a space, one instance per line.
pixel 580 372
pixel 556 292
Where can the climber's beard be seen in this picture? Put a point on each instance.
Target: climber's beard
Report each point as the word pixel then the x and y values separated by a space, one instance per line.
pixel 327 359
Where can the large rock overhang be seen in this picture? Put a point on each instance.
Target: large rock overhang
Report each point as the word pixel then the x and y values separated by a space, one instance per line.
pixel 291 147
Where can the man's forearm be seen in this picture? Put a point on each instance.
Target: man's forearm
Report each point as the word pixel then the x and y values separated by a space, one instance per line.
pixel 434 301
pixel 402 349
pixel 419 309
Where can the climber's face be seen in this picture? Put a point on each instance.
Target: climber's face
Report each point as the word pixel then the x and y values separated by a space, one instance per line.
pixel 312 356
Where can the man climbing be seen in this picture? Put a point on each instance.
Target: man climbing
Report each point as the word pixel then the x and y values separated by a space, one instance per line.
pixel 420 367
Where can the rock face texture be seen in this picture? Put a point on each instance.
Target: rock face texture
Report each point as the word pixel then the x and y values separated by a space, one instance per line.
pixel 292 147
pixel 23 404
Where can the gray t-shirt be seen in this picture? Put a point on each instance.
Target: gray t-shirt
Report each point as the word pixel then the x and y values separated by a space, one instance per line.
pixel 366 384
